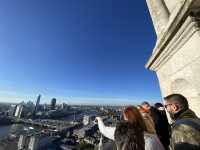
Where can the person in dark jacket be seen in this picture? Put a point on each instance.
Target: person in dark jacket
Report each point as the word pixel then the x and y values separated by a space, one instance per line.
pixel 162 129
pixel 165 138
pixel 186 125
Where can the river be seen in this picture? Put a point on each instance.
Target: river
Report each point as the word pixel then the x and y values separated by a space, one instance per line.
pixel 8 129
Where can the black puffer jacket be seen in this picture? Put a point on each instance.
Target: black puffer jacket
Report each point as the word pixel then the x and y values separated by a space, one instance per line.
pixel 185 132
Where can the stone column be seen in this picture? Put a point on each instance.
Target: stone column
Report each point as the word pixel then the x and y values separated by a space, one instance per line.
pixel 159 14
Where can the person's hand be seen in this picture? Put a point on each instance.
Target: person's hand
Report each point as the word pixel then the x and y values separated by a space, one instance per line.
pixel 97 120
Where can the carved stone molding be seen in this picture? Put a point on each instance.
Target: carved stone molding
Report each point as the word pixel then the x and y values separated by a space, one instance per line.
pixel 184 21
pixel 188 28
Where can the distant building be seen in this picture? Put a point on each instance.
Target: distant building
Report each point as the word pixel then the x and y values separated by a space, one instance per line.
pixel 86 131
pixel 34 142
pixel 64 106
pixel 46 107
pixel 37 104
pixel 11 111
pixel 40 141
pixel 53 104
pixel 18 110
pixel 86 120
pixel 23 142
pixel 30 106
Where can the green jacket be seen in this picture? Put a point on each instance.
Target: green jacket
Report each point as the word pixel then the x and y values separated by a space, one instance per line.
pixel 184 136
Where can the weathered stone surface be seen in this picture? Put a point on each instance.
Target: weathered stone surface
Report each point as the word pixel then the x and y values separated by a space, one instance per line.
pixel 176 56
pixel 172 4
pixel 159 13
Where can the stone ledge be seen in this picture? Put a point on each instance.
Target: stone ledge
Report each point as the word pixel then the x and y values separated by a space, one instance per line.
pixel 190 27
pixel 177 19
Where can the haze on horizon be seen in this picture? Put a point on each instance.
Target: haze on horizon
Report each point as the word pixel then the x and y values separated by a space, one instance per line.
pixel 91 51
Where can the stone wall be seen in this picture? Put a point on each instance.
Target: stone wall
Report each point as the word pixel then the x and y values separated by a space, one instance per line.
pixel 181 72
pixel 176 56
pixel 172 4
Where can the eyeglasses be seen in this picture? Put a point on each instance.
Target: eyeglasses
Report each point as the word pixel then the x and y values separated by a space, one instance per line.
pixel 167 105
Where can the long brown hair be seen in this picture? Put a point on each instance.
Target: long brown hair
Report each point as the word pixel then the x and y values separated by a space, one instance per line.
pixel 134 117
pixel 129 134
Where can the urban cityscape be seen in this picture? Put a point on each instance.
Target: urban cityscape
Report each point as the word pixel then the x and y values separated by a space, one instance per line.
pixel 35 126
pixel 100 75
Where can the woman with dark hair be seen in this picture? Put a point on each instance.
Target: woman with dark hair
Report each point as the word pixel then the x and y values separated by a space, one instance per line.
pixel 130 134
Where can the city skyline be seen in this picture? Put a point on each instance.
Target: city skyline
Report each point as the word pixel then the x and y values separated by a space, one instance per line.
pixel 115 101
pixel 84 52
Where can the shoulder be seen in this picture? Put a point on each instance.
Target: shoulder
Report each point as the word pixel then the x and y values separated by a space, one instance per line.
pixel 152 142
pixel 150 138
pixel 185 130
pixel 188 124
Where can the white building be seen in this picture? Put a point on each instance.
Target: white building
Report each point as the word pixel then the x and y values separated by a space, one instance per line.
pixel 86 120
pixel 18 110
pixel 21 142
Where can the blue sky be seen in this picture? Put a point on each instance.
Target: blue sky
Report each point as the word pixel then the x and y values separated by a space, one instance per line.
pixel 79 51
